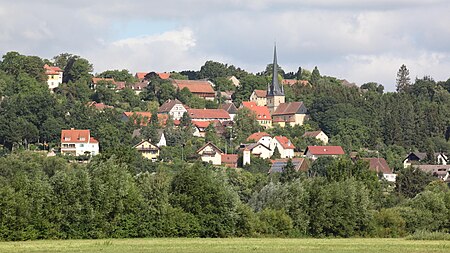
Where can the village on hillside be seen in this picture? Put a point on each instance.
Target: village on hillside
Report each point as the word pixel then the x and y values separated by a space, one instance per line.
pixel 268 107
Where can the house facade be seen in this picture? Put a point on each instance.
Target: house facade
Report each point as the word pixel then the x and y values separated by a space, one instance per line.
pixel 284 145
pixel 201 88
pixel 380 166
pixel 320 135
pixel 210 153
pixel 262 113
pixel 293 113
pixel 260 137
pixel 148 150
pixel 416 158
pixel 54 76
pixel 257 150
pixel 259 97
pixel 77 142
pixel 208 115
pixel 174 108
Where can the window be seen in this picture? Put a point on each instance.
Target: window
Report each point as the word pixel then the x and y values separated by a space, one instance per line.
pixel 81 145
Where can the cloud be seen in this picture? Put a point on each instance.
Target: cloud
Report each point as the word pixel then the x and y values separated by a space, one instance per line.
pixel 358 40
pixel 172 50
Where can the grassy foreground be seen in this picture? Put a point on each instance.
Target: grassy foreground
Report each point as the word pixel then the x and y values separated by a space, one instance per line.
pixel 186 245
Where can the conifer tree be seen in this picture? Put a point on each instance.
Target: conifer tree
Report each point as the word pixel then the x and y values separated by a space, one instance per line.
pixel 403 79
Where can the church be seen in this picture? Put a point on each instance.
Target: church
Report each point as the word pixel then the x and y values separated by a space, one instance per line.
pixel 293 113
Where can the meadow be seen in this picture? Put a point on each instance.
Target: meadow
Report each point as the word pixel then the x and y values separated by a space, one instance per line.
pixel 186 245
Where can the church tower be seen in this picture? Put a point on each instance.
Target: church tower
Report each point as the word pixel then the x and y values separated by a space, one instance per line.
pixel 275 92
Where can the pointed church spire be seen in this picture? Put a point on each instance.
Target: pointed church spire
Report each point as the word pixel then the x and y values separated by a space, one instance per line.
pixel 275 88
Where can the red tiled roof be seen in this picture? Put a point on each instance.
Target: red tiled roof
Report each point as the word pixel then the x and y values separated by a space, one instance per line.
pixel 312 133
pixel 326 150
pixel 140 75
pixel 291 82
pixel 262 112
pixel 230 160
pixel 378 165
pixel 257 136
pixel 201 124
pixel 261 93
pixel 51 70
pixel 77 136
pixel 95 80
pixel 120 85
pixel 163 75
pixel 99 106
pixel 284 142
pixel 195 86
pixel 162 118
pixel 208 114
pixel 288 108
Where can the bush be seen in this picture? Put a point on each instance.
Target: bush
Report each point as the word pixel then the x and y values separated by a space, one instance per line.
pixel 427 235
pixel 389 223
pixel 275 222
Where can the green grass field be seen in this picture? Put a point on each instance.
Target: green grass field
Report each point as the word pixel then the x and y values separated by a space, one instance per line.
pixel 185 245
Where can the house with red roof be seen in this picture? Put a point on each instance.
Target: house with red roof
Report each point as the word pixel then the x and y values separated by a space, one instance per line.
pixel 259 97
pixel 99 106
pixel 291 82
pixel 208 115
pixel 320 135
pixel 143 118
pixel 78 142
pixel 201 88
pixel 293 113
pixel 230 160
pixel 314 152
pixel 380 166
pixel 54 76
pixel 141 75
pixel 260 137
pixel 284 145
pixel 262 113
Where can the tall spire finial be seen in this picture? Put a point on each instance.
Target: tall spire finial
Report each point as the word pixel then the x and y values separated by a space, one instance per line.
pixel 275 88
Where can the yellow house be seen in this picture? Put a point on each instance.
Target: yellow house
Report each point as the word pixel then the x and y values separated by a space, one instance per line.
pixel 293 113
pixel 148 150
pixel 210 153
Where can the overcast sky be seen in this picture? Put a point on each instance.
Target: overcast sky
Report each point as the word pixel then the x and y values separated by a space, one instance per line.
pixel 360 41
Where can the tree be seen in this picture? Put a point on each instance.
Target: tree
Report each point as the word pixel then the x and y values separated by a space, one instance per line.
pixel 411 181
pixel 245 124
pixel 315 76
pixel 372 86
pixel 276 153
pixel 118 75
pixel 299 75
pixel 199 191
pixel 77 68
pixel 403 80
pixel 15 64
pixel 289 173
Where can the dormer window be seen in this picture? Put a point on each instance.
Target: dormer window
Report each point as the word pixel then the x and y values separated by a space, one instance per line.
pixel 67 138
pixel 82 139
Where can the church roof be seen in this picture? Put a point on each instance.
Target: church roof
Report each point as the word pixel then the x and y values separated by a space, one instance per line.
pixel 275 89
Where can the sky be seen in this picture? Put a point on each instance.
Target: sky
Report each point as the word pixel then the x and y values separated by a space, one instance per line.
pixel 360 41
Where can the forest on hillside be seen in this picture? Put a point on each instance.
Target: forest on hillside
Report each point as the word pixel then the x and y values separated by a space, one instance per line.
pixel 121 194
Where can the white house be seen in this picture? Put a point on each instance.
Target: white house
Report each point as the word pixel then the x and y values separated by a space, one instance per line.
pixel 284 145
pixel 260 137
pixel 255 149
pixel 320 135
pixel 54 76
pixel 173 108
pixel 210 153
pixel 78 142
